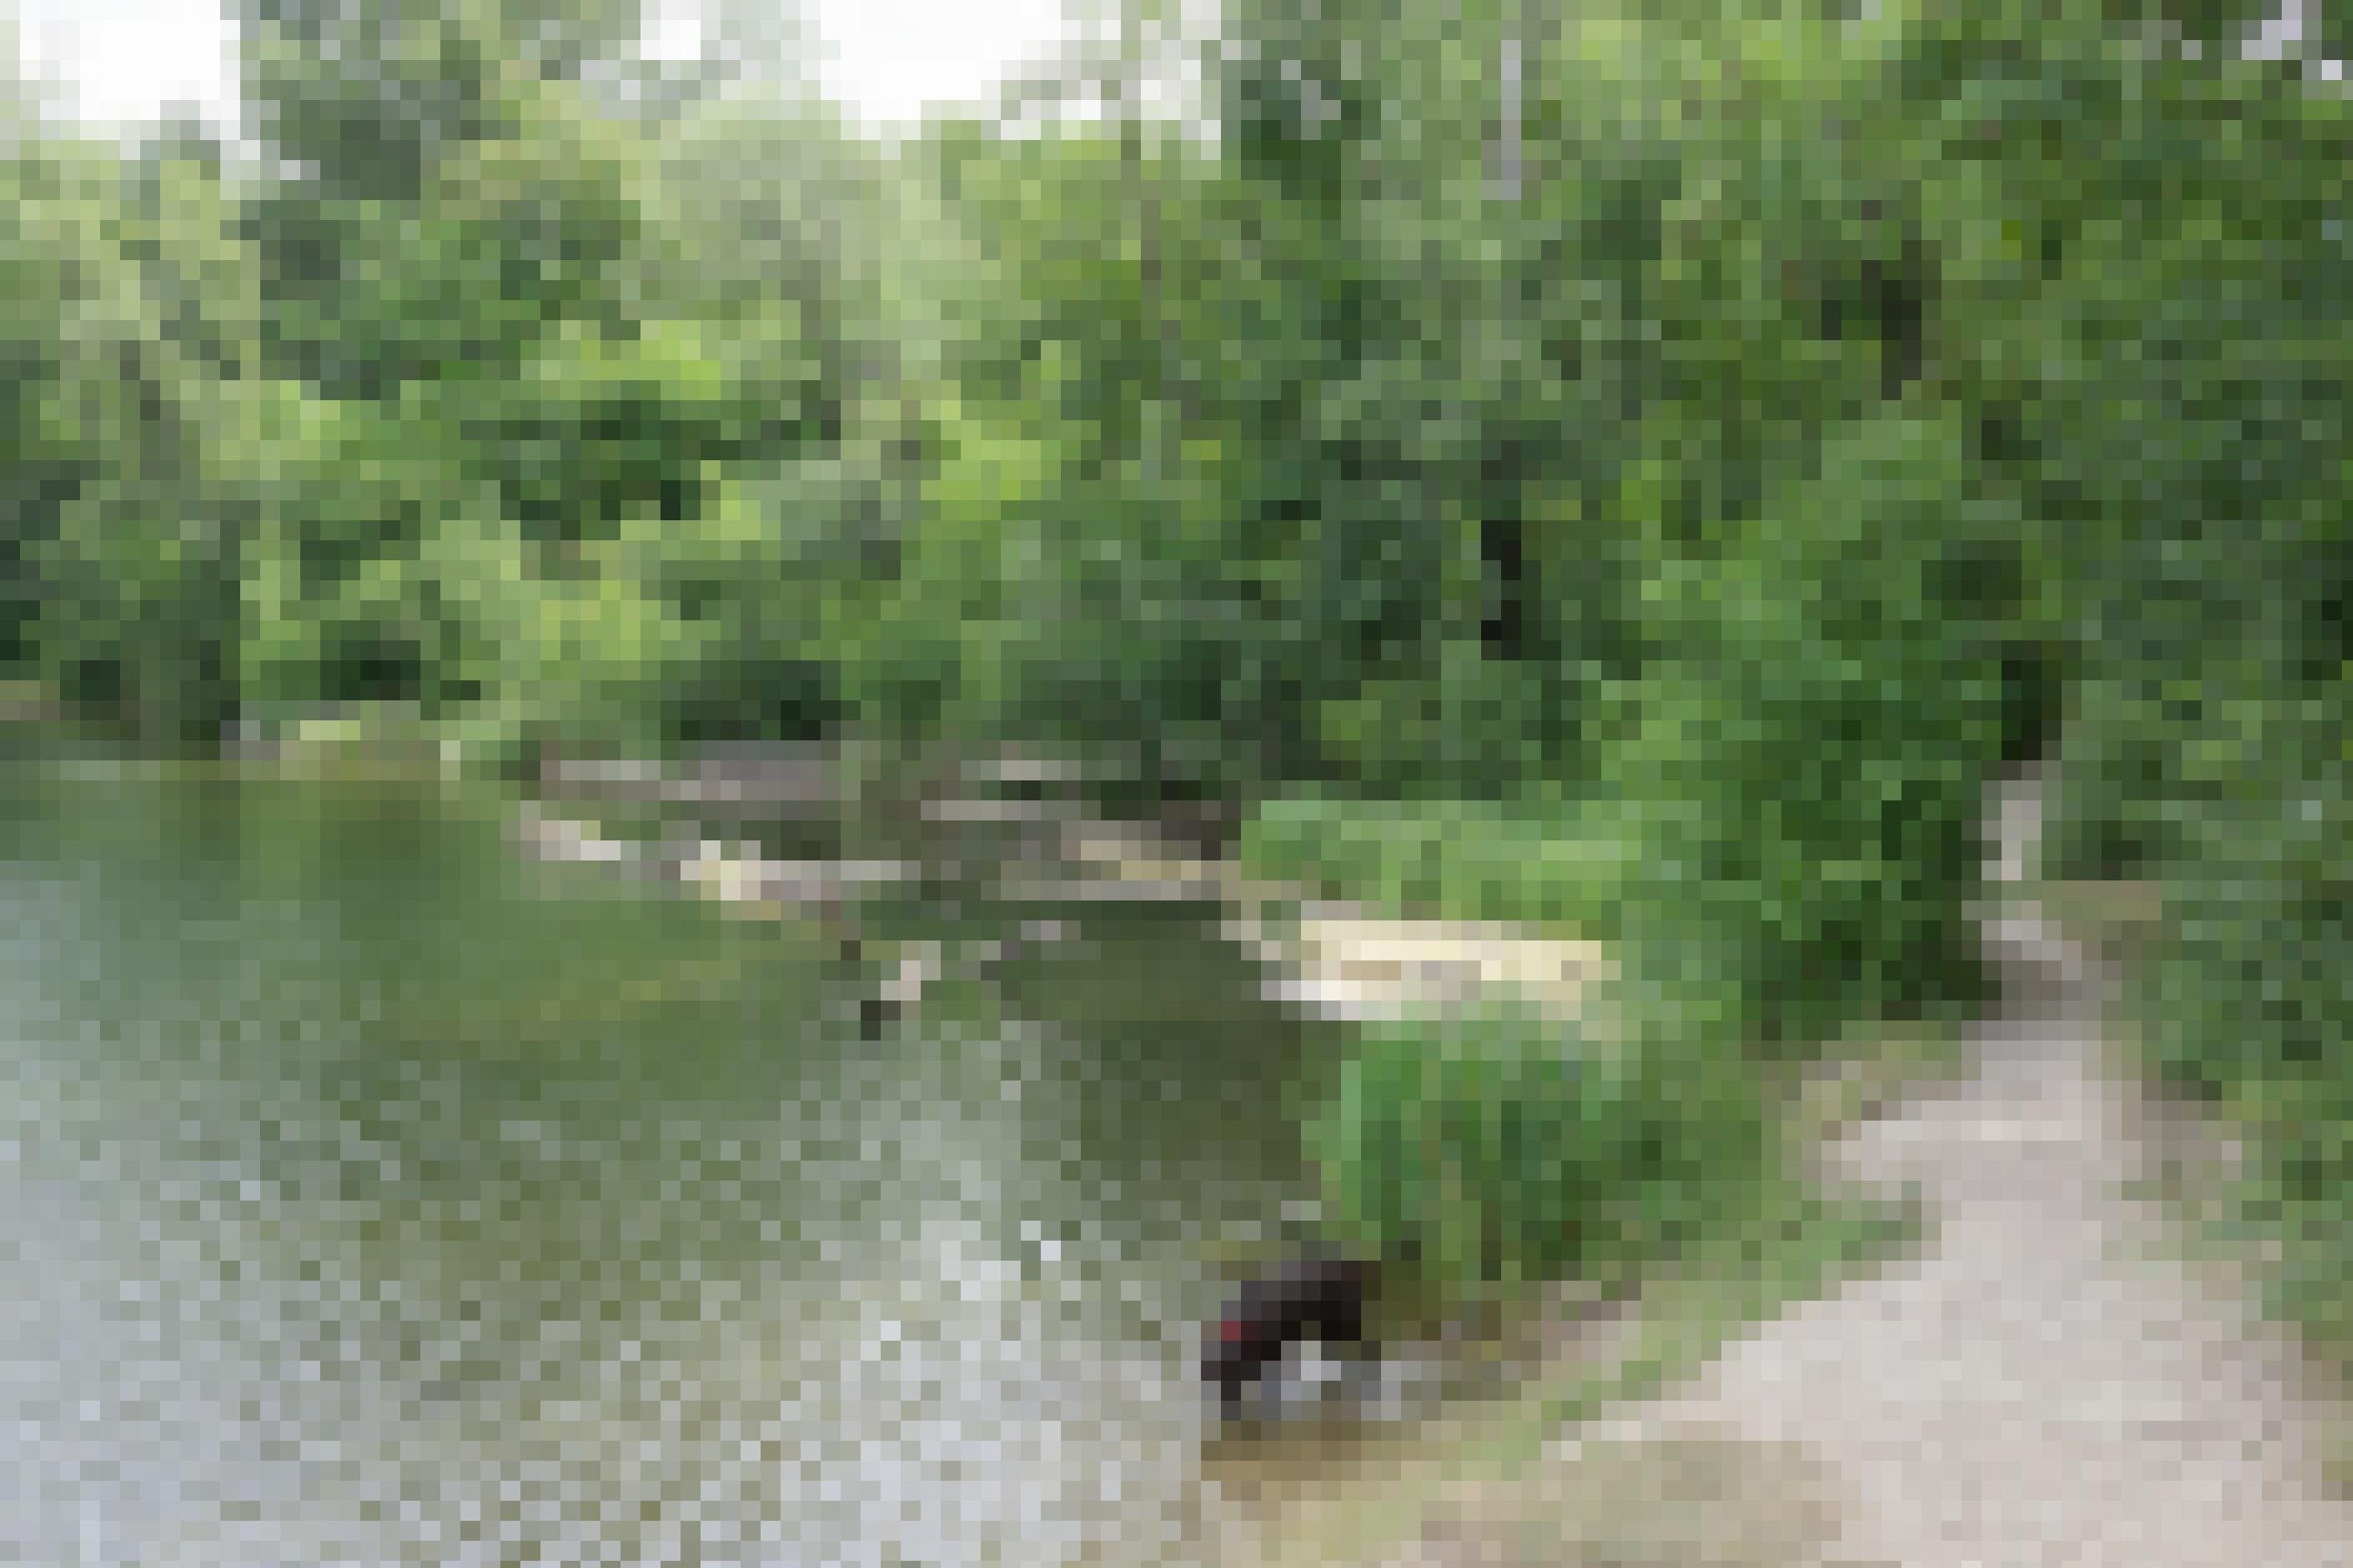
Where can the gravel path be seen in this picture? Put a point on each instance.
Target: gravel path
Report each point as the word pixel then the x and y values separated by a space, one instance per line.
pixel 2042 1384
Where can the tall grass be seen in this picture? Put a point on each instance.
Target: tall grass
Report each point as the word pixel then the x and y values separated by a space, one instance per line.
pixel 1502 1147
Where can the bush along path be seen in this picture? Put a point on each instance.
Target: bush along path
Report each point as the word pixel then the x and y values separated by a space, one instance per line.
pixel 2044 1380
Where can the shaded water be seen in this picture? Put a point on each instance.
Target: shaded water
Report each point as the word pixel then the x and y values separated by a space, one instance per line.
pixel 369 1196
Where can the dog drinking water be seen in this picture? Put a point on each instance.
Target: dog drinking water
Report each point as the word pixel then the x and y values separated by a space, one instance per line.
pixel 1313 1298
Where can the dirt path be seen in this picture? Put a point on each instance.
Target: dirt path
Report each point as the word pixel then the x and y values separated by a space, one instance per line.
pixel 2042 1384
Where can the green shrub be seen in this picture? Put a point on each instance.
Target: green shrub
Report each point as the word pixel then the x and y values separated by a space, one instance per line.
pixel 2106 821
pixel 1473 728
pixel 2244 999
pixel 1814 754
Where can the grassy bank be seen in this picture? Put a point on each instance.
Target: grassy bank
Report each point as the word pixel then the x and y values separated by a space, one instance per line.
pixel 1548 865
pixel 1689 1250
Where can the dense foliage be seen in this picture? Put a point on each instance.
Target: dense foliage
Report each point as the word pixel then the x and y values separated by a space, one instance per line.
pixel 1634 510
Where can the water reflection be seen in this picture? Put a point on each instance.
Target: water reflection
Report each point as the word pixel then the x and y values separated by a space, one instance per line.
pixel 365 1198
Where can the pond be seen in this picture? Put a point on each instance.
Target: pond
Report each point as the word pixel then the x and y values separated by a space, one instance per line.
pixel 368 1194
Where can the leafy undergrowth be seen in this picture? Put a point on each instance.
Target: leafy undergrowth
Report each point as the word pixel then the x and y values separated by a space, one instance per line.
pixel 2211 1172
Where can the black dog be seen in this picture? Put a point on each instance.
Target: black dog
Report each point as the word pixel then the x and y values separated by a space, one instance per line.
pixel 1313 1298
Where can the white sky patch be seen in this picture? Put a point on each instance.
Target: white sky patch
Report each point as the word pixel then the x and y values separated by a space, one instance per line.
pixel 121 61
pixel 893 59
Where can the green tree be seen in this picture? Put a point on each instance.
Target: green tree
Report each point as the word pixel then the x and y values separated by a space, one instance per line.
pixel 572 339
pixel 123 520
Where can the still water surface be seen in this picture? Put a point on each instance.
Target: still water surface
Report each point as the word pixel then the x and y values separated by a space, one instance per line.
pixel 367 1195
